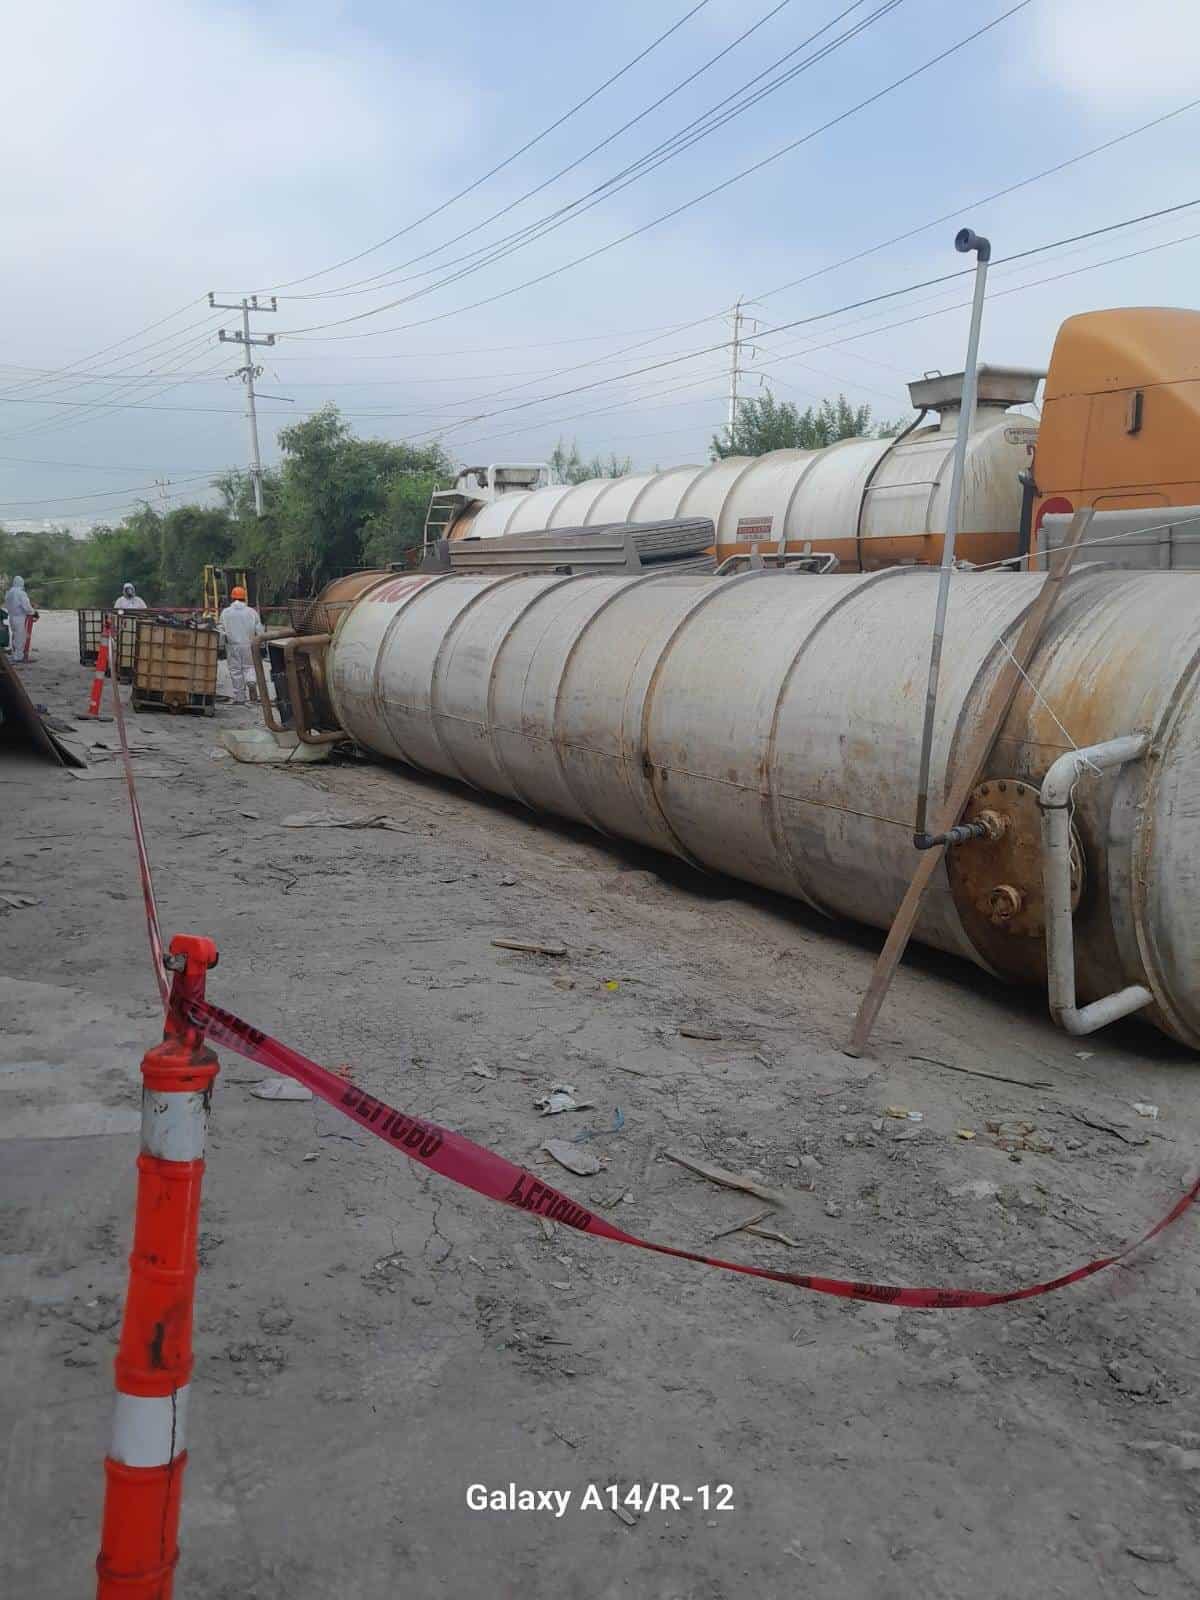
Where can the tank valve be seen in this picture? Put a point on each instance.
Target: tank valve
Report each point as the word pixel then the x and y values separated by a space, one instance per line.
pixel 996 823
pixel 1002 903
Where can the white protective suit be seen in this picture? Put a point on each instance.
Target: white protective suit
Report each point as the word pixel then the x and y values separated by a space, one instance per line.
pixel 20 608
pixel 242 627
pixel 128 600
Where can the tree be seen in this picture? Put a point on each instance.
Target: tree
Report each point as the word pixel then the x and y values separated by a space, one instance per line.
pixel 568 466
pixel 334 503
pixel 129 553
pixel 190 537
pixel 344 502
pixel 768 424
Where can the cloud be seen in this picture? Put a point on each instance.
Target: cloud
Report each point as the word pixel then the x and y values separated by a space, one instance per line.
pixel 133 122
pixel 1113 56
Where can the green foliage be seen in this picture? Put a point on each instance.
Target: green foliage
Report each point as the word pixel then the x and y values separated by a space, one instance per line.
pixel 345 502
pixel 768 424
pixel 334 503
pixel 190 537
pixel 569 466
pixel 47 562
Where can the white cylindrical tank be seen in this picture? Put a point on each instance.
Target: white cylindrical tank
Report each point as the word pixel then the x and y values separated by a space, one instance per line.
pixel 873 502
pixel 769 726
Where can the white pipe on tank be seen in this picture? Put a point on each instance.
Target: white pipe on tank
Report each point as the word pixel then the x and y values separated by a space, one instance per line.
pixel 1058 788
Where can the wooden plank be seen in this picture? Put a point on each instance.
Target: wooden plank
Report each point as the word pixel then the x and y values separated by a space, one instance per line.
pixel 970 771
pixel 728 1180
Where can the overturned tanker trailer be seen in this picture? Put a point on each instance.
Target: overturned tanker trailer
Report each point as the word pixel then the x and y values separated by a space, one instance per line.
pixel 768 725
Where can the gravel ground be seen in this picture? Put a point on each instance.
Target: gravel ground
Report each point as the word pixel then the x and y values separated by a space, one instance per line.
pixel 372 1340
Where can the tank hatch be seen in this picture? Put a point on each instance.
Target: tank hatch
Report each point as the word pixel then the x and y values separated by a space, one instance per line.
pixel 998 386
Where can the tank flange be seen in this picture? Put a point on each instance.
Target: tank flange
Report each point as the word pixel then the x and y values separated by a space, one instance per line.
pixel 997 880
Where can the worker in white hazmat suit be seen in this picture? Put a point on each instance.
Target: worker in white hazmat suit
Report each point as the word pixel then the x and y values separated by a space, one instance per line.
pixel 129 599
pixel 242 628
pixel 21 615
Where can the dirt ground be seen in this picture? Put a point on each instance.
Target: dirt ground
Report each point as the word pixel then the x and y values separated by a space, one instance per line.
pixel 372 1340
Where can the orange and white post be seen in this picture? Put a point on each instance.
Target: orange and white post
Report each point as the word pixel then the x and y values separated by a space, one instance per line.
pixel 93 708
pixel 139 1543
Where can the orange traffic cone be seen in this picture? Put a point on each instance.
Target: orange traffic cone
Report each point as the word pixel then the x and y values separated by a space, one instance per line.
pixel 93 706
pixel 139 1539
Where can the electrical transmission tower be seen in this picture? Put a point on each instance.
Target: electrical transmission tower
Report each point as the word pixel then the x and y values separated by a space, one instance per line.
pixel 248 373
pixel 738 348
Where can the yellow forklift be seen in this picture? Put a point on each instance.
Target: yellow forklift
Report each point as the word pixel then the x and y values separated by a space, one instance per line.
pixel 218 581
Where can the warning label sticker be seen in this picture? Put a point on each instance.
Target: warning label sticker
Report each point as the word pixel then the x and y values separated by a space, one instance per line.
pixel 753 530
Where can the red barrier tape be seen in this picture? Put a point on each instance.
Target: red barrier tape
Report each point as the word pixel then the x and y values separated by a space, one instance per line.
pixel 472 1165
pixel 475 1167
pixel 139 839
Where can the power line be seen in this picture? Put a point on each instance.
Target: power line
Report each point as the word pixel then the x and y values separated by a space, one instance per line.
pixel 833 266
pixel 81 410
pixel 870 300
pixel 500 166
pixel 666 216
pixel 664 145
pixel 104 494
pixel 170 317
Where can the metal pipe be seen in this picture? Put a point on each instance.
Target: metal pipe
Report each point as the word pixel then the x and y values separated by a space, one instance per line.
pixel 1057 789
pixel 1029 490
pixel 870 479
pixel 303 645
pixel 965 241
pixel 264 697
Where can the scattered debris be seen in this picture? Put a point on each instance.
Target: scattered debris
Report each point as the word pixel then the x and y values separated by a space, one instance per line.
pixel 727 1180
pixel 342 819
pixel 482 1070
pixel 1014 1136
pixel 694 1030
pixel 17 902
pixel 1145 1109
pixel 774 1235
pixel 904 1114
pixel 280 1089
pixel 612 984
pixel 508 881
pixel 583 1163
pixel 253 815
pixel 627 1517
pixel 751 1221
pixel 964 1133
pixel 1102 1125
pixel 561 1098
pixel 1084 1055
pixel 564 983
pixel 832 1209
pixel 618 1122
pixel 530 948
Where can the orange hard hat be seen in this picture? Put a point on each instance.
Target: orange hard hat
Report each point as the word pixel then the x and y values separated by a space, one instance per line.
pixel 237 592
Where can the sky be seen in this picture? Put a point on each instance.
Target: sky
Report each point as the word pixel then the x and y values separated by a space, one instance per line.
pixel 154 150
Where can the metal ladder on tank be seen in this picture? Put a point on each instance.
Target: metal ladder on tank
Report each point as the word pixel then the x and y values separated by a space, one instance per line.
pixel 444 506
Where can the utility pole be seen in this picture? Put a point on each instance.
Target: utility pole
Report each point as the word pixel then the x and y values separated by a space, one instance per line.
pixel 248 373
